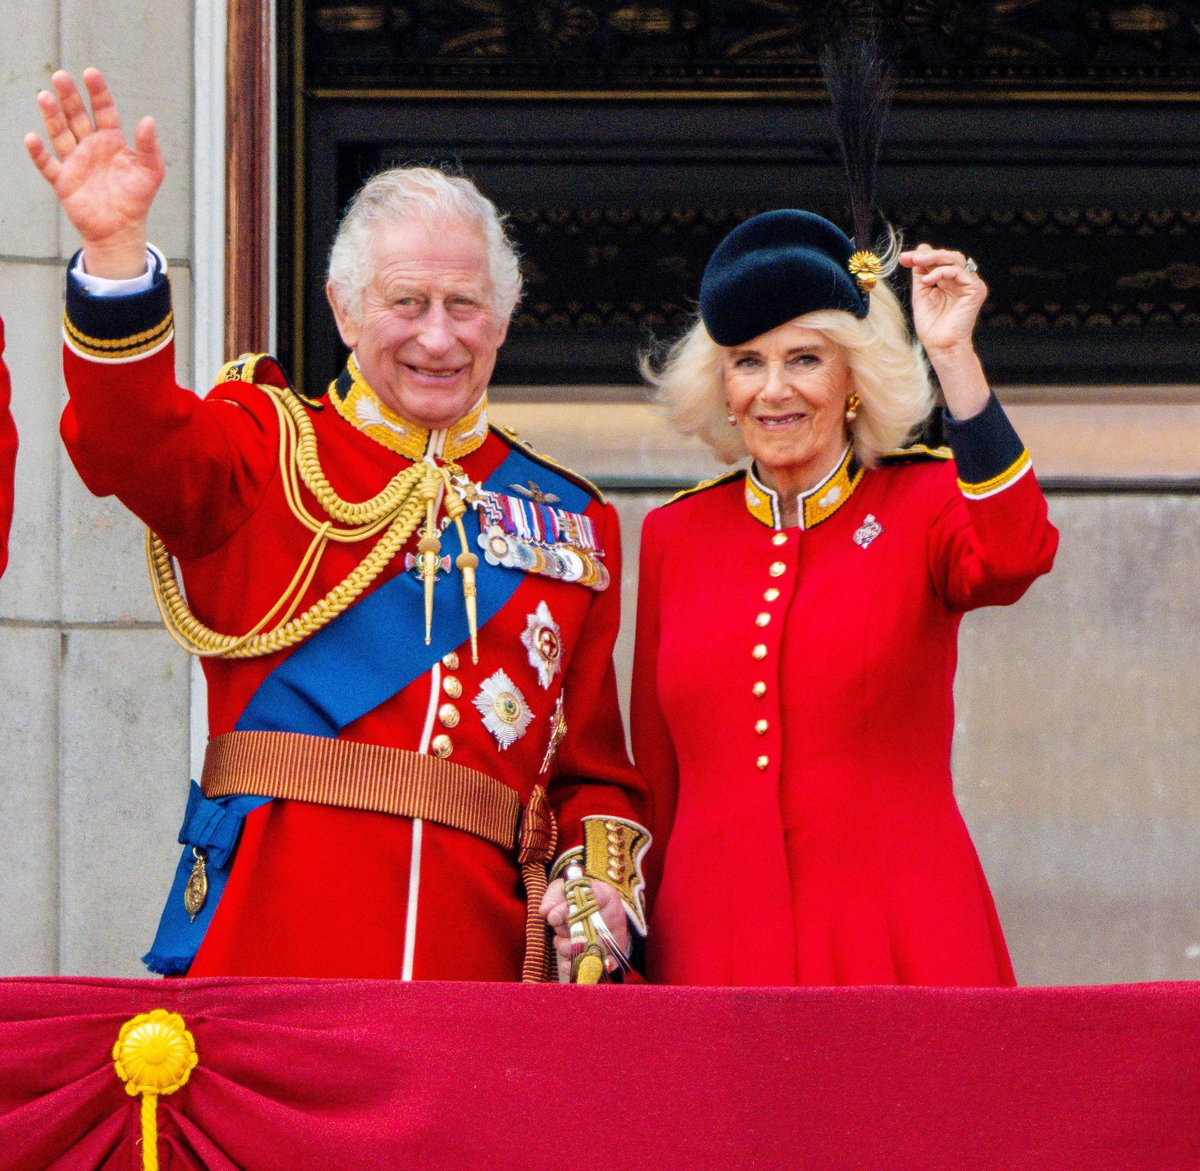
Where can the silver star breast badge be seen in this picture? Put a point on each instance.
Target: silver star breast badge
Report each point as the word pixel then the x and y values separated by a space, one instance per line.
pixel 543 641
pixel 503 708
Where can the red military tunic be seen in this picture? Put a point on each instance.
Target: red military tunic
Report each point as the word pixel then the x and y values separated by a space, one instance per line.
pixel 793 713
pixel 8 456
pixel 316 890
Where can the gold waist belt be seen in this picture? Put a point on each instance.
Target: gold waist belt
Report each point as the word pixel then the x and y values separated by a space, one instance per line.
pixel 349 775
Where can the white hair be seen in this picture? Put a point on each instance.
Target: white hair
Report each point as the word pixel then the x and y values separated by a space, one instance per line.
pixel 887 369
pixel 433 197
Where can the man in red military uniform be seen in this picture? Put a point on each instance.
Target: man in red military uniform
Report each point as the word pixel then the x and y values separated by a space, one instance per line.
pixel 403 614
pixel 8 456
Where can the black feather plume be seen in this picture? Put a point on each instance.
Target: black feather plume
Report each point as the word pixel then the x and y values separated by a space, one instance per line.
pixel 861 85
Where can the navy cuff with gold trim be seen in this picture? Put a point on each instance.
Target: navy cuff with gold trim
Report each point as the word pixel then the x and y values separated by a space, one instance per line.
pixel 119 327
pixel 988 453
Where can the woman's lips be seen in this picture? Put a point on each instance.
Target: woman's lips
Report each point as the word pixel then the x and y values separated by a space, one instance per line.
pixel 778 420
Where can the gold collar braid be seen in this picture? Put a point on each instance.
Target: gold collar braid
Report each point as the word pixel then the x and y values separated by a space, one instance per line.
pixel 411 494
pixel 356 401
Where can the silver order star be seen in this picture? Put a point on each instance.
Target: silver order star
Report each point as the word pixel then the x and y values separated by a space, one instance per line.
pixel 543 641
pixel 503 708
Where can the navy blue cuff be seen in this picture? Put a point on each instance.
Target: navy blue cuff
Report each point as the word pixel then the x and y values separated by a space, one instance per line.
pixel 122 327
pixel 988 453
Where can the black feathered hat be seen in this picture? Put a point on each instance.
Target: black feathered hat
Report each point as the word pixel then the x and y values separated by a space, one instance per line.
pixel 782 264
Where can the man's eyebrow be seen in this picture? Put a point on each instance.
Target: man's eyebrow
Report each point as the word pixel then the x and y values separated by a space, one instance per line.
pixel 406 288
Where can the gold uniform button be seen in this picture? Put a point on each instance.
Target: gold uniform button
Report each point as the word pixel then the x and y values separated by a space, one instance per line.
pixel 452 686
pixel 450 661
pixel 762 620
pixel 779 539
pixel 777 569
pixel 448 714
pixel 441 746
pixel 760 689
pixel 762 763
pixel 772 595
pixel 761 727
pixel 760 651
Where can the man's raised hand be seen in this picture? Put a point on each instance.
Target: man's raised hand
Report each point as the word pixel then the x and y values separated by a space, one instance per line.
pixel 105 187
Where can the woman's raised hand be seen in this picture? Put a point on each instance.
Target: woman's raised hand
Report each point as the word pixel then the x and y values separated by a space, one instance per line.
pixel 946 299
pixel 105 187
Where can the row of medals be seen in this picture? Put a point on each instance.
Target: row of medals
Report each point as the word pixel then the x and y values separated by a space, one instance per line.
pixel 563 562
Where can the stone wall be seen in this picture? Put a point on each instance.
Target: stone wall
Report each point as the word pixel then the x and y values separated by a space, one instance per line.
pixel 94 742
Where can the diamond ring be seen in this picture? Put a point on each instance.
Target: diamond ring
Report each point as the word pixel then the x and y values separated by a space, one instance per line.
pixel 971 266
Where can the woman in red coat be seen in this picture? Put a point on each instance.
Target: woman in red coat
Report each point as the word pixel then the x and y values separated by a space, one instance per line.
pixel 798 621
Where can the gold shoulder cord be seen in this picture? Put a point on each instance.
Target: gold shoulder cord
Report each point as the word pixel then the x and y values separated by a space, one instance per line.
pixel 409 496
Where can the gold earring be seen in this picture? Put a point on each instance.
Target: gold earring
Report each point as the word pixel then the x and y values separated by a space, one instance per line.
pixel 852 405
pixel 729 416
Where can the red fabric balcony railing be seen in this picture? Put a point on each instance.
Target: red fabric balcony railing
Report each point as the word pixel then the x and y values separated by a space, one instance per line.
pixel 333 1074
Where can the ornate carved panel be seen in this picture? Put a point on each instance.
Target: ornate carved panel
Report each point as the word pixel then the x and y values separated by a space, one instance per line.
pixel 747 44
pixel 625 137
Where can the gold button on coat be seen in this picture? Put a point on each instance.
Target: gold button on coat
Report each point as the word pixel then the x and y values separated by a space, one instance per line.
pixel 450 661
pixel 761 727
pixel 772 595
pixel 441 746
pixel 448 714
pixel 452 686
pixel 777 569
pixel 762 763
pixel 759 652
pixel 762 620
pixel 779 539
pixel 760 689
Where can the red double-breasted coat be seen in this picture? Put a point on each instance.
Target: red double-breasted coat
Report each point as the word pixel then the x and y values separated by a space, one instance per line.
pixel 793 713
pixel 315 890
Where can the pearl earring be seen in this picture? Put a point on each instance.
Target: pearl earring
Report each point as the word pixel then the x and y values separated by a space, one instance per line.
pixel 852 405
pixel 729 416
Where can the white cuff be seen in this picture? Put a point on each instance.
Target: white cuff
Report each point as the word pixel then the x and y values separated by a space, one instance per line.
pixel 100 286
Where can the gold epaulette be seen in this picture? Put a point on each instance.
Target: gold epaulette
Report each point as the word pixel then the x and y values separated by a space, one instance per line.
pixel 725 479
pixel 510 436
pixel 259 368
pixel 918 451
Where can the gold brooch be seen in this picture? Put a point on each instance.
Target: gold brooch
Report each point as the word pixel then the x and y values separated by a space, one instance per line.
pixel 558 730
pixel 866 268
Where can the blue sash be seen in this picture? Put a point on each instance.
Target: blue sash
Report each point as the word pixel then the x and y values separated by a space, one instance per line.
pixel 360 660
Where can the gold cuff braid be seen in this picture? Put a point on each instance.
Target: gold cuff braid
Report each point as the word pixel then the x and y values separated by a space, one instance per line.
pixel 612 852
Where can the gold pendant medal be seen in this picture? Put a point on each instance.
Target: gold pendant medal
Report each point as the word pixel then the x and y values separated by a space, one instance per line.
pixel 196 891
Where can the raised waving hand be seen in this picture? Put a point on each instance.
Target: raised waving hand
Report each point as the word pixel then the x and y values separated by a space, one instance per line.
pixel 105 186
pixel 947 295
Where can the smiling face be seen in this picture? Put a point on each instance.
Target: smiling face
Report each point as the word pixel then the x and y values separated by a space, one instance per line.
pixel 787 390
pixel 427 339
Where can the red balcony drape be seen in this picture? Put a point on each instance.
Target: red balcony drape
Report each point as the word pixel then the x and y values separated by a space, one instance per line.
pixel 299 1074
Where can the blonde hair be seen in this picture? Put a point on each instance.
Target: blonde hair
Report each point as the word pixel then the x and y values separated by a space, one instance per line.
pixel 887 369
pixel 432 196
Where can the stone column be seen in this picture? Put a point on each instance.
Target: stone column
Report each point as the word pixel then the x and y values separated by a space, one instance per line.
pixel 94 741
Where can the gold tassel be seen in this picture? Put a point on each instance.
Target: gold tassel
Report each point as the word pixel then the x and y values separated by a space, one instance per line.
pixel 154 1055
pixel 429 547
